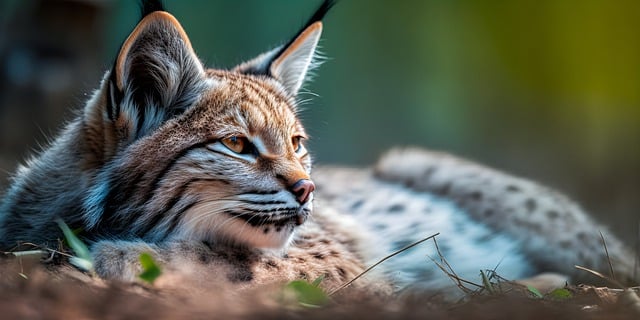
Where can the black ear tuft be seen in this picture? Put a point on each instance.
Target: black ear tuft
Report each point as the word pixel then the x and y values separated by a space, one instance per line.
pixel 290 63
pixel 318 15
pixel 149 6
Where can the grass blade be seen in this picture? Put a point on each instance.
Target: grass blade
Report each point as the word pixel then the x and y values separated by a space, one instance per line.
pixel 535 292
pixel 82 259
pixel 381 261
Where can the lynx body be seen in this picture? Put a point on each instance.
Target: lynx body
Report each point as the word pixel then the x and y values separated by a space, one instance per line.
pixel 207 170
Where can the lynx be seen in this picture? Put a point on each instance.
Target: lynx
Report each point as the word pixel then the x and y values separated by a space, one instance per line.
pixel 207 170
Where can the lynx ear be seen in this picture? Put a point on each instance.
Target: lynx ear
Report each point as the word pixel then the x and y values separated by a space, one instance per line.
pixel 291 66
pixel 290 63
pixel 155 75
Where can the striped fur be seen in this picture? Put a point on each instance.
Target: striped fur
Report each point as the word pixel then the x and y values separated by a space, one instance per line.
pixel 146 159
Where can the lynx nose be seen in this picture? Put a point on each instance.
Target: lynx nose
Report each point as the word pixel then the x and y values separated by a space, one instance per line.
pixel 302 189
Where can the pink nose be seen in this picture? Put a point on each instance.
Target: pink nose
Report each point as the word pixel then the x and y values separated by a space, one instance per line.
pixel 302 189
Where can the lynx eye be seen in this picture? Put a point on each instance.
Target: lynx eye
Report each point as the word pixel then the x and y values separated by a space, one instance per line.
pixel 237 144
pixel 296 142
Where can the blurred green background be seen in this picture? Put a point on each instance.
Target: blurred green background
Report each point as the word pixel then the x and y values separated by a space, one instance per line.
pixel 547 90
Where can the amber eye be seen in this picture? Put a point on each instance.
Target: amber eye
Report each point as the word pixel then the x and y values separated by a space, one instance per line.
pixel 237 144
pixel 296 142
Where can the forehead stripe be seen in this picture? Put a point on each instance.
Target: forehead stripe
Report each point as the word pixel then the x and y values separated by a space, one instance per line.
pixel 266 90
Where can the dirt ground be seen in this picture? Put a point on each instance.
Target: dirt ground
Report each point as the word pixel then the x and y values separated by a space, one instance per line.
pixel 27 291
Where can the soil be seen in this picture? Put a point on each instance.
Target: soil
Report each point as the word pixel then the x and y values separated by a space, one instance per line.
pixel 29 291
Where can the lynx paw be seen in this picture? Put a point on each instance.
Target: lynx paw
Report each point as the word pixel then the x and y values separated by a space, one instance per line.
pixel 120 260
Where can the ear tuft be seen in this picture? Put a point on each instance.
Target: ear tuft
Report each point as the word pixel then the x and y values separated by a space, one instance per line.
pixel 149 6
pixel 291 63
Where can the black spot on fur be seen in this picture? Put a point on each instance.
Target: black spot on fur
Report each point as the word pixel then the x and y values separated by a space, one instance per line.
pixel 582 236
pixel 242 259
pixel 488 212
pixel 484 238
pixel 581 256
pixel 318 255
pixel 512 188
pixel 342 273
pixel 531 205
pixel 380 226
pixel 396 208
pixel 271 264
pixel 265 230
pixel 401 244
pixel 357 204
pixel 476 195
pixel 428 172
pixel 552 214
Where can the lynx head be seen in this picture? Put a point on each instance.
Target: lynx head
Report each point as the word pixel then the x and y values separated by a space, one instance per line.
pixel 181 151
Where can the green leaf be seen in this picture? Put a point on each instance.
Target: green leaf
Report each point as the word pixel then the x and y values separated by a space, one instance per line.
pixel 536 293
pixel 82 259
pixel 150 269
pixel 306 294
pixel 560 294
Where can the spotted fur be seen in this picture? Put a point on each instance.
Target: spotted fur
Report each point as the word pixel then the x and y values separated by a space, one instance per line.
pixel 486 220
